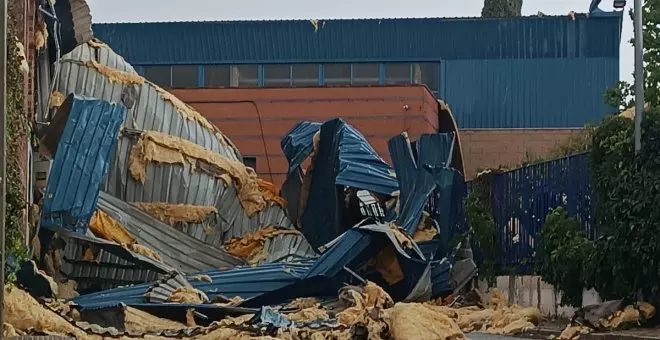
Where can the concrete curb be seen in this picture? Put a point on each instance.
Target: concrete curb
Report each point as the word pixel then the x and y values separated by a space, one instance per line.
pixel 542 333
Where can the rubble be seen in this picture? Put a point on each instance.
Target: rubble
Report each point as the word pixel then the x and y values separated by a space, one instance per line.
pixel 607 316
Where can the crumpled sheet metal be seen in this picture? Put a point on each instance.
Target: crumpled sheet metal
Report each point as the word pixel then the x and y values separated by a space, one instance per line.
pixel 97 51
pixel 74 23
pixel 343 158
pixel 177 249
pixel 245 282
pixel 112 264
pixel 297 144
pixel 271 244
pixel 148 110
pixel 81 139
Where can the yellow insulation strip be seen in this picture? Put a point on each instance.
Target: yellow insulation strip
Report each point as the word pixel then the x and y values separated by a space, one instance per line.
pixel 40 37
pixel 144 251
pixel 388 265
pixel 188 113
pixel 188 295
pixel 114 75
pixel 162 148
pixel 176 213
pixel 137 321
pixel 108 228
pixel 57 99
pixel 24 313
pixel 418 321
pixel 250 246
pixel 95 43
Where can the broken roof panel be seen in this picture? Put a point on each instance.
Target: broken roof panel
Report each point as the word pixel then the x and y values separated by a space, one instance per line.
pixel 345 158
pixel 177 249
pixel 74 25
pixel 150 108
pixel 245 282
pixel 82 137
pixel 416 181
pixel 298 143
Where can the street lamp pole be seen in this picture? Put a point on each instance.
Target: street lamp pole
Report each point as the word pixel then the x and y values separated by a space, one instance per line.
pixel 639 75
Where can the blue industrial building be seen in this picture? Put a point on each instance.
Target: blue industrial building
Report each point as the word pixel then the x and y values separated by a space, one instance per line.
pixel 527 72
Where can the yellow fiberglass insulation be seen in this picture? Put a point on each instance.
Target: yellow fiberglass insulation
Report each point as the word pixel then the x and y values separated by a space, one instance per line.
pixel 421 322
pixel 138 321
pixel 57 99
pixel 309 315
pixel 114 75
pixel 426 229
pixel 107 228
pixel 144 251
pixel 41 36
pixel 173 214
pixel 388 266
pixel 188 295
pixel 404 239
pixel 24 313
pixel 250 246
pixel 158 147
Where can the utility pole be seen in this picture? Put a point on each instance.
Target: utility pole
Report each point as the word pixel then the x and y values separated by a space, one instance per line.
pixel 639 75
pixel 3 153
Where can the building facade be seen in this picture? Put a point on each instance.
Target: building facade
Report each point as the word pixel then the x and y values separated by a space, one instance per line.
pixel 546 75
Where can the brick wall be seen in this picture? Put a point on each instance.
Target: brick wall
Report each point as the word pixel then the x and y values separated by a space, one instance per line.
pixel 507 147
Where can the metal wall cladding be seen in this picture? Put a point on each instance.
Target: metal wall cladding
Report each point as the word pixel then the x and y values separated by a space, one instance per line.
pixel 523 198
pixel 365 39
pixel 541 93
pixel 165 183
pixel 102 55
pixel 87 140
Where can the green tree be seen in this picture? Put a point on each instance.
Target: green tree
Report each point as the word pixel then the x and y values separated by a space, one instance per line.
pixel 501 8
pixel 620 95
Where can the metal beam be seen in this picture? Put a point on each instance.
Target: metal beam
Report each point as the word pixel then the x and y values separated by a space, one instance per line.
pixel 639 75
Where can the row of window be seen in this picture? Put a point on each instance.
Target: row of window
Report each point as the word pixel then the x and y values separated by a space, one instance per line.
pixel 292 75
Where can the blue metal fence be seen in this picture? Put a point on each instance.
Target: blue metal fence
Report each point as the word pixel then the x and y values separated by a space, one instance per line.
pixel 522 198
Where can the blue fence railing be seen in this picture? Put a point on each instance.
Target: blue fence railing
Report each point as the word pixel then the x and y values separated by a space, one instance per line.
pixel 522 199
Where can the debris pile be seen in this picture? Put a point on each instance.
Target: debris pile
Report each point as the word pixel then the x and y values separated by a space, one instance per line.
pixel 167 233
pixel 607 316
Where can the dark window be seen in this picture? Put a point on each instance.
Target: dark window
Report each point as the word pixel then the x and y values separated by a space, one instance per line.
pixel 185 77
pixel 244 76
pixel 397 73
pixel 159 75
pixel 426 73
pixel 216 76
pixel 337 74
pixel 277 75
pixel 250 162
pixel 305 74
pixel 365 74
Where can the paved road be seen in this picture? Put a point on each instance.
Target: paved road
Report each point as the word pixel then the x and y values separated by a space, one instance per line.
pixel 479 336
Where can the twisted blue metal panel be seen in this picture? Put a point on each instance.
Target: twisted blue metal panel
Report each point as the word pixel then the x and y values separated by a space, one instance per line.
pixel 414 39
pixel 522 199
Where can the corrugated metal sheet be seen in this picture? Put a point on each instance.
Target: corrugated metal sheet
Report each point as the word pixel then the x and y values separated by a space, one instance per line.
pixel 547 93
pixel 113 266
pixel 86 133
pixel 364 39
pixel 164 183
pixel 246 282
pixel 177 249
pixel 101 54
pixel 74 26
pixel 297 144
pixel 344 158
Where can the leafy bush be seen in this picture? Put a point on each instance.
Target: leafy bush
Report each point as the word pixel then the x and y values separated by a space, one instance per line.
pixel 626 261
pixel 479 215
pixel 562 254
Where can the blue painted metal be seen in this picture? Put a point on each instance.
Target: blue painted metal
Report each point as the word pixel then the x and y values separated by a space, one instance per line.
pixel 297 144
pixel 344 158
pixel 515 93
pixel 364 40
pixel 80 162
pixel 246 282
pixel 416 181
pixel 522 199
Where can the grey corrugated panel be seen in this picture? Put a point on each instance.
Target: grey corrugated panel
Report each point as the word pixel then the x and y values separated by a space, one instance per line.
pixel 177 249
pixel 101 55
pixel 165 183
pixel 515 93
pixel 280 246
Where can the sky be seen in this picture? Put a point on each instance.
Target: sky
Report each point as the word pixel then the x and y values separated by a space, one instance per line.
pixel 208 10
